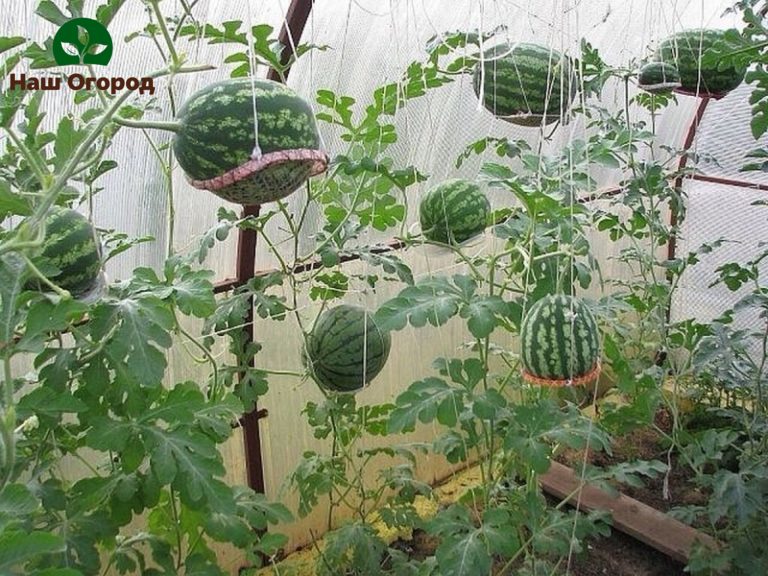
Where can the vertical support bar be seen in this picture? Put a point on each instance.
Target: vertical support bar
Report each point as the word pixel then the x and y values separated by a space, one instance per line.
pixel 295 19
pixel 293 27
pixel 246 265
pixel 687 143
pixel 690 136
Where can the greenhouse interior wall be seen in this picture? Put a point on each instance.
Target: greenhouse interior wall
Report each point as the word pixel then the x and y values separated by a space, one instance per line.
pixel 368 44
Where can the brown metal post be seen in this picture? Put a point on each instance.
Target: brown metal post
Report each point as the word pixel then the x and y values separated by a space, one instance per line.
pixel 687 143
pixel 293 27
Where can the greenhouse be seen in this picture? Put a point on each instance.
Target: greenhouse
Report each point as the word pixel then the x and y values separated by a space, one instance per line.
pixel 361 288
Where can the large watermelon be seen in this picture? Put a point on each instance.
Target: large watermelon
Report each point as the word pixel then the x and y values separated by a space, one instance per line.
pixel 345 350
pixel 525 84
pixel 560 342
pixel 215 142
pixel 72 250
pixel 453 212
pixel 684 51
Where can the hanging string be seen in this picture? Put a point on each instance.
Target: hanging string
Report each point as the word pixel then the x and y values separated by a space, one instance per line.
pixel 256 153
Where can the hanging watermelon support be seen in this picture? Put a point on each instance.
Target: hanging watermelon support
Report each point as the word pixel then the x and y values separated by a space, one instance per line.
pixel 247 141
pixel 560 343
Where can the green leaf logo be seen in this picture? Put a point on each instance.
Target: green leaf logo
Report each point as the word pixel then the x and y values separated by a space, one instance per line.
pixel 82 41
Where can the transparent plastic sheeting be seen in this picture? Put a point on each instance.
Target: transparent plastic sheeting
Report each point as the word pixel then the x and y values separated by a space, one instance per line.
pixel 373 42
pixel 724 138
pixel 134 198
pixel 716 211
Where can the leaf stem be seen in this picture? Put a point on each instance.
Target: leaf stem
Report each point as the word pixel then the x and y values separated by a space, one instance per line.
pixel 166 35
pixel 41 173
pixel 168 126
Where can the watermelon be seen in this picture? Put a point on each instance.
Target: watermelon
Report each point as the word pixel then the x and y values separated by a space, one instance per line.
pixel 658 77
pixel 71 250
pixel 215 141
pixel 684 51
pixel 551 355
pixel 345 349
pixel 525 84
pixel 453 212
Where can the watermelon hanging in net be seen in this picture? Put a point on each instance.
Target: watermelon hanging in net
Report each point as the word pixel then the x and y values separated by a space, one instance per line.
pixel 560 342
pixel 525 84
pixel 217 134
pixel 454 211
pixel 345 349
pixel 691 53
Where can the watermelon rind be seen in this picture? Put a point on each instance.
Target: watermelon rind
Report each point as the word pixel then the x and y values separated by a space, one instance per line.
pixel 658 77
pixel 454 211
pixel 71 250
pixel 684 51
pixel 560 342
pixel 217 135
pixel 525 84
pixel 345 349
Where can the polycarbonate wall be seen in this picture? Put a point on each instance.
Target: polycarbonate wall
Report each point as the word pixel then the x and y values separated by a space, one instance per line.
pixel 371 43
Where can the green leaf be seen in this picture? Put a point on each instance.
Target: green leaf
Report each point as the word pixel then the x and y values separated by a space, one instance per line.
pixel 8 42
pixel 49 11
pixel 12 278
pixel 354 544
pixel 333 285
pixel 45 401
pixel 193 293
pixel 10 101
pixel 189 461
pixel 18 547
pixel 8 65
pixel 433 300
pixel 425 401
pixel 17 501
pixel 390 263
pixel 67 140
pixel 736 495
pixel 483 313
pixel 140 338
pixel 463 550
pixel 107 11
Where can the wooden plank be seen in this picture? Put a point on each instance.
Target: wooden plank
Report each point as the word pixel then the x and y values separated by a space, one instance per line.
pixel 631 516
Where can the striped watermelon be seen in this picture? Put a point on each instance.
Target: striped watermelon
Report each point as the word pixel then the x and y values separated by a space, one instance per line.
pixel 684 51
pixel 453 212
pixel 215 139
pixel 656 77
pixel 525 84
pixel 551 355
pixel 345 350
pixel 72 248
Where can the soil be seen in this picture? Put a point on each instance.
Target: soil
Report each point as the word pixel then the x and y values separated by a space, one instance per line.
pixel 619 554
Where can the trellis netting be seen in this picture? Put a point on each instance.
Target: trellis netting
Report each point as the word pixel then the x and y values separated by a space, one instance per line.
pixel 357 46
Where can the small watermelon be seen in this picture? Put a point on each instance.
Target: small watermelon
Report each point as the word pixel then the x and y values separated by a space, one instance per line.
pixel 525 84
pixel 560 342
pixel 345 350
pixel 658 77
pixel 453 212
pixel 72 249
pixel 215 142
pixel 684 51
